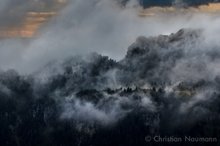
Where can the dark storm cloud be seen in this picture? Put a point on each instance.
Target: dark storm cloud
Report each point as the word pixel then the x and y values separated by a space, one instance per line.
pixel 148 3
pixel 165 3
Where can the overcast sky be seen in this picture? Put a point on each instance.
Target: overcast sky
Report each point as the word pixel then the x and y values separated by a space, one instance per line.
pixel 85 26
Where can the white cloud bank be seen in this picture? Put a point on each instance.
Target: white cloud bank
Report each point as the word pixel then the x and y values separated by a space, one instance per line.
pixel 102 26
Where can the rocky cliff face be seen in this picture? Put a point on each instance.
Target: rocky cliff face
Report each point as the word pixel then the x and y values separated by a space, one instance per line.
pixel 166 85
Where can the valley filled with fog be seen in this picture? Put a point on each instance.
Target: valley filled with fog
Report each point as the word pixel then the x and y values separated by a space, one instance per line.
pixel 108 72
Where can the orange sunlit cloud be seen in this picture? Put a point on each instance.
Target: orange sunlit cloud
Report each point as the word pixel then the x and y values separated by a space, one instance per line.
pixel 31 24
pixel 29 27
pixel 210 8
pixel 34 20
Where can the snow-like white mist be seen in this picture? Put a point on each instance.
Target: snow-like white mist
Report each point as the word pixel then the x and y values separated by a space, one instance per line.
pixel 155 78
pixel 103 26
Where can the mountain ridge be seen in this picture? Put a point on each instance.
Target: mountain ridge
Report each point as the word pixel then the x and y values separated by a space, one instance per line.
pixel 162 87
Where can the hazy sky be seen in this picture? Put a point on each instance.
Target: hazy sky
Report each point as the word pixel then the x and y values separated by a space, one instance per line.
pixel 85 26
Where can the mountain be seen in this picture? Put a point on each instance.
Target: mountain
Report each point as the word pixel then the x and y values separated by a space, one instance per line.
pixel 166 85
